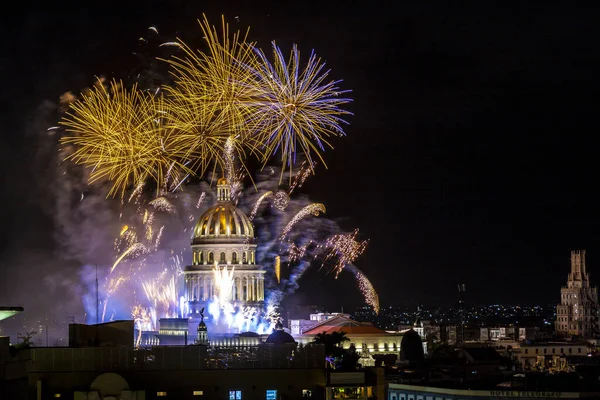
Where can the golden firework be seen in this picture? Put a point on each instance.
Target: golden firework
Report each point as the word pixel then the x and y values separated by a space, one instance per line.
pixel 121 136
pixel 218 76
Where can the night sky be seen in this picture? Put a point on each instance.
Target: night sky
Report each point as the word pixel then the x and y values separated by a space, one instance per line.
pixel 470 157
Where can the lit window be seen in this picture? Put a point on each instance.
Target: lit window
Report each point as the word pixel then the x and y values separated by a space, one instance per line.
pixel 235 395
pixel 271 395
pixel 198 393
pixel 56 395
pixel 306 393
pixel 161 394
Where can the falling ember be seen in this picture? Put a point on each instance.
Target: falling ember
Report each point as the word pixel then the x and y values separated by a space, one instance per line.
pixel 281 200
pixel 301 176
pixel 136 249
pixel 158 237
pixel 123 230
pixel 162 204
pixel 345 248
pixel 201 199
pixel 314 209
pixel 297 252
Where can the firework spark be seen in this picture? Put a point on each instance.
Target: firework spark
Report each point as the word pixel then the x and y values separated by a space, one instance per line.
pixel 344 248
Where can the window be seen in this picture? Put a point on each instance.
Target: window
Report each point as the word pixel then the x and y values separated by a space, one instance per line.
pixel 553 350
pixel 161 394
pixel 234 259
pixel 235 395
pixel 211 257
pixel 526 351
pixel 222 259
pixel 306 393
pixel 271 394
pixel 579 349
pixel 198 393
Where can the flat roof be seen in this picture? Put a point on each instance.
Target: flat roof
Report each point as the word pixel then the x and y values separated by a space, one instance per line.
pixel 7 312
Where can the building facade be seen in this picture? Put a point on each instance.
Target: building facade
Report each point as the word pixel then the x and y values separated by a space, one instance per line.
pixel 577 313
pixel 223 249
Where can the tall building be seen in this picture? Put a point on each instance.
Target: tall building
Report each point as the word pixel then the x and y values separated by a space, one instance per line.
pixel 577 313
pixel 223 249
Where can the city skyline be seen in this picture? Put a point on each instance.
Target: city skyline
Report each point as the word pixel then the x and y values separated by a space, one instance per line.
pixel 471 130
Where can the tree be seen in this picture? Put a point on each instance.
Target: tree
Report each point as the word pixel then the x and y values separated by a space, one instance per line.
pixel 334 352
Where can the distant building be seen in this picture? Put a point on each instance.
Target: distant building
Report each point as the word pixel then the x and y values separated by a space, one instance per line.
pixel 366 338
pixel 518 333
pixel 114 333
pixel 577 313
pixel 530 354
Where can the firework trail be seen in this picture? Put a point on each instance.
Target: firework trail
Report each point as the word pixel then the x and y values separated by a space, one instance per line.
pixel 258 203
pixel 365 287
pixel 306 169
pixel 314 209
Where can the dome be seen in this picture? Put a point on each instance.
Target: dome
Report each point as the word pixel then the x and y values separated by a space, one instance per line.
pixel 223 221
pixel 280 337
pixel 411 347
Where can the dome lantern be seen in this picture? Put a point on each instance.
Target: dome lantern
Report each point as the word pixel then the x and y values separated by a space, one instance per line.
pixel 223 190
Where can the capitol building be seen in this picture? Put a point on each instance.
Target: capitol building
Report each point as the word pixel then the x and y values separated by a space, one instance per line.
pixel 223 247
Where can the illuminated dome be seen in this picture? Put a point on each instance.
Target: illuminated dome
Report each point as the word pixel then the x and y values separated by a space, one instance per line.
pixel 224 220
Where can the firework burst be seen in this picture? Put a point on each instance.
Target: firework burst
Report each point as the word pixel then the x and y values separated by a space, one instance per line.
pixel 119 135
pixel 296 108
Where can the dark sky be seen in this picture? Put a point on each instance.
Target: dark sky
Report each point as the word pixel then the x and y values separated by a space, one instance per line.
pixel 470 156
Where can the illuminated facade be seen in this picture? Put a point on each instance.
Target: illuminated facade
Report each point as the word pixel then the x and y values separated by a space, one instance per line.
pixel 577 313
pixel 223 239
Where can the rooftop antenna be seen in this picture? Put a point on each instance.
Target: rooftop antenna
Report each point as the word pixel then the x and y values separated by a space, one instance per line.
pixel 461 305
pixel 97 301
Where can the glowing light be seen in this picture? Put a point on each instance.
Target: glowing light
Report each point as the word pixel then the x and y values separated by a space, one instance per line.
pixel 278 268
